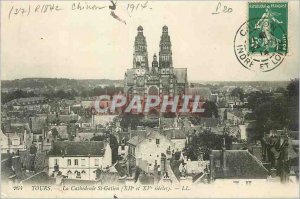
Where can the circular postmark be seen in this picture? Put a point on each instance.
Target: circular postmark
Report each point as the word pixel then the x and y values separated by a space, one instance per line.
pixel 261 53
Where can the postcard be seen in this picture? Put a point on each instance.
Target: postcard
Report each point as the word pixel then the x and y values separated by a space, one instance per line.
pixel 150 99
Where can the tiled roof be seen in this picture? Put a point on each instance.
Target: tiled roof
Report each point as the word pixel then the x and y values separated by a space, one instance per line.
pixel 109 178
pixel 204 92
pixel 149 134
pixel 41 178
pixel 209 122
pixel 38 124
pixel 146 179
pixel 136 140
pixel 121 171
pixel 25 101
pixel 130 76
pixel 167 122
pixel 174 134
pixel 68 148
pixel 181 75
pixel 68 181
pixel 240 164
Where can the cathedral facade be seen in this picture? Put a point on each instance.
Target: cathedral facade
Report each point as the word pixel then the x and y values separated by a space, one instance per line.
pixel 159 79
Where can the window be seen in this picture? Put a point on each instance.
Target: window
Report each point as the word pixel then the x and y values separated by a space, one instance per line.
pixel 69 174
pixel 48 140
pixel 236 182
pixel 78 174
pixel 82 162
pixel 96 162
pixel 69 162
pixel 123 148
pixel 157 141
pixel 56 161
pixel 218 164
pixel 76 162
pixel 248 182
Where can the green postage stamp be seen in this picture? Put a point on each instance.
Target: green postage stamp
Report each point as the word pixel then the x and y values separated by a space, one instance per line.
pixel 268 27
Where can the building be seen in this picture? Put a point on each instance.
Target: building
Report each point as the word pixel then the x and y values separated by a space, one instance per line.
pixel 79 160
pixel 236 167
pixel 13 142
pixel 30 103
pixel 162 78
pixel 150 150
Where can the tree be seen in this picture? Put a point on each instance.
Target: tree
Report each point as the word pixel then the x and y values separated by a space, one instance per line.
pixel 238 93
pixel 32 149
pixel 204 142
pixel 276 112
pixel 54 133
pixel 210 109
pixel 113 143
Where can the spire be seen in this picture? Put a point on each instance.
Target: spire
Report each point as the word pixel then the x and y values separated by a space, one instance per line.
pixel 165 52
pixel 140 54
pixel 140 29
pixel 165 29
pixel 154 64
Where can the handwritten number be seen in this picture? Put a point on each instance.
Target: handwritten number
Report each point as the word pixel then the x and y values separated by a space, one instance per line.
pixel 224 9
pixel 138 6
pixel 217 9
pixel 10 12
pixel 28 10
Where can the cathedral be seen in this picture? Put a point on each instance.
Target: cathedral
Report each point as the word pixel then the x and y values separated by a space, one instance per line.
pixel 159 79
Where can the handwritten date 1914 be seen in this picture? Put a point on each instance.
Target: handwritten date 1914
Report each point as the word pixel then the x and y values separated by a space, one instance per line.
pixel 222 9
pixel 39 8
pixel 131 7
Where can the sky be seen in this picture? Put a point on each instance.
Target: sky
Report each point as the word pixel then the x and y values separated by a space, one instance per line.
pixel 91 44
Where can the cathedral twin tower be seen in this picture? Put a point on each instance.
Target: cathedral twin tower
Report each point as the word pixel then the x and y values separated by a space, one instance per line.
pixel 140 55
pixel 162 78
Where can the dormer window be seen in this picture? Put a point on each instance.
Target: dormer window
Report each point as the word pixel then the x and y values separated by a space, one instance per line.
pixel 157 141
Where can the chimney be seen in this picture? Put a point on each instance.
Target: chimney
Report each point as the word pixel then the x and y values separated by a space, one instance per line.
pixel 224 158
pixel 211 167
pixel 273 172
pixel 129 130
pixel 30 124
pixel 173 134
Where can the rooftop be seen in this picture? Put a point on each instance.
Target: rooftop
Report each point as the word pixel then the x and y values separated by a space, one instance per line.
pixel 87 148
pixel 240 164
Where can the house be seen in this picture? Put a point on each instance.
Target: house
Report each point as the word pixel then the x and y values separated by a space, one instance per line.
pixel 79 160
pixel 236 167
pixel 61 130
pixel 30 103
pixel 203 92
pixel 13 142
pixel 3 142
pixel 150 150
pixel 177 136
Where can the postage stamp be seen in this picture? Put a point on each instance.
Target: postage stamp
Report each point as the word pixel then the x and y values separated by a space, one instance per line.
pixel 261 43
pixel 270 26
